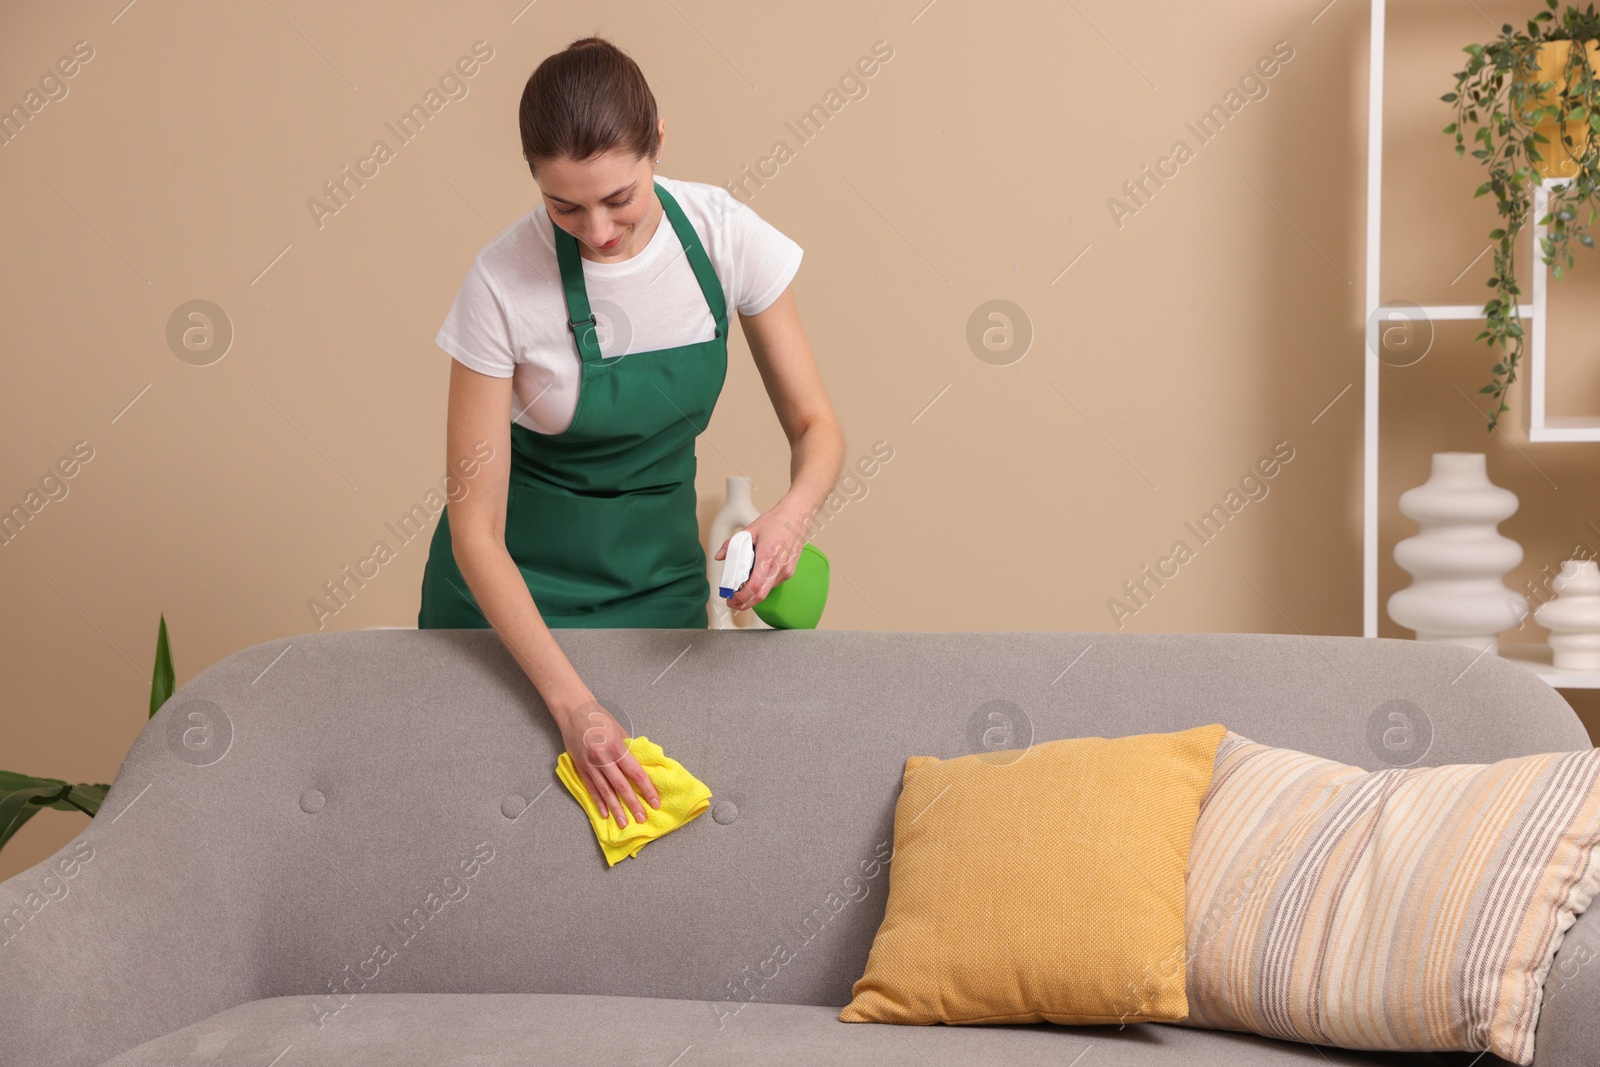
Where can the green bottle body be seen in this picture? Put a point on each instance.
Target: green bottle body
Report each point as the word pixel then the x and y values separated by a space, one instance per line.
pixel 797 603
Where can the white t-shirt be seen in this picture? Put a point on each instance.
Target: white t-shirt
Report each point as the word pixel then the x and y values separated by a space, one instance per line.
pixel 509 318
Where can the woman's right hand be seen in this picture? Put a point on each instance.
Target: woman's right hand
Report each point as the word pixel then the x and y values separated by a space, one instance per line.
pixel 598 747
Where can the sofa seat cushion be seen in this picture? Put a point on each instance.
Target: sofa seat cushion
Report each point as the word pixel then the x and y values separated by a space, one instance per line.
pixel 576 1030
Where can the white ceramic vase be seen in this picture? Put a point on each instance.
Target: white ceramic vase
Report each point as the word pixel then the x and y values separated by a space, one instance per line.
pixel 1573 617
pixel 739 511
pixel 1458 558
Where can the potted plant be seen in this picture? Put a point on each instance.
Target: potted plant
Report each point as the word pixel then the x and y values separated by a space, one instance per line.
pixel 1522 91
pixel 22 796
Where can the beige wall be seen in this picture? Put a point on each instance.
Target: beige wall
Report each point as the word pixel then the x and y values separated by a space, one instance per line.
pixel 1181 347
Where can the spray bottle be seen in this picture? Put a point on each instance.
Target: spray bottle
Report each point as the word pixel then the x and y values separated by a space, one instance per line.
pixel 793 604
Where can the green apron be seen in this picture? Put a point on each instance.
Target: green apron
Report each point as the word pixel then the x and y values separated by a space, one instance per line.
pixel 601 517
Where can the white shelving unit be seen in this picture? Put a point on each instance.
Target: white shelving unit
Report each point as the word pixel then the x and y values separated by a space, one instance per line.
pixel 1541 427
pixel 1537 659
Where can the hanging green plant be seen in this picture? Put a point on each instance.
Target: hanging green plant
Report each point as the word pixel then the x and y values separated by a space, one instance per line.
pixel 1522 91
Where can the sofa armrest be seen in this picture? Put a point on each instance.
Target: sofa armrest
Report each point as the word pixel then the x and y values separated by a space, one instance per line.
pixel 119 937
pixel 1568 1034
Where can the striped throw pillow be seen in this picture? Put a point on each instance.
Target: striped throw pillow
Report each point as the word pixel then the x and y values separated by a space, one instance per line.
pixel 1409 908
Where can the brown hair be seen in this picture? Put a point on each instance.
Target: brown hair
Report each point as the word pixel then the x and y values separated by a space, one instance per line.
pixel 585 100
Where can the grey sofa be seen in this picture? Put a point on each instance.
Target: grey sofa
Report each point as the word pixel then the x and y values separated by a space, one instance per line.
pixel 352 848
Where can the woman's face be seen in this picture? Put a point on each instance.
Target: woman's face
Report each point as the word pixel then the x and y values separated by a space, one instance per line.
pixel 605 202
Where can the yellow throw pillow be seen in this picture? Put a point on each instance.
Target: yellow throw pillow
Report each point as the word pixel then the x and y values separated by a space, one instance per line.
pixel 1043 884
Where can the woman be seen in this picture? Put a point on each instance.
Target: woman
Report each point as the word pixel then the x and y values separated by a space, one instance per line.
pixel 601 317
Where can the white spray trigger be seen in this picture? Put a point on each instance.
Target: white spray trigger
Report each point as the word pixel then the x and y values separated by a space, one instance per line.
pixel 737 563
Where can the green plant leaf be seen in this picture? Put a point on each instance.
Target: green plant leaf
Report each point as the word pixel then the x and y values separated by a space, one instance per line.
pixel 85 797
pixel 161 678
pixel 21 797
pixel 11 780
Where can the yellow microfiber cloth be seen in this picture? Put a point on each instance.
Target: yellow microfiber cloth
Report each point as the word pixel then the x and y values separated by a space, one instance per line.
pixel 683 797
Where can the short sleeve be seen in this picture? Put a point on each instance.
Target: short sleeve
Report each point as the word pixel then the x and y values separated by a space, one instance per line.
pixel 766 258
pixel 477 330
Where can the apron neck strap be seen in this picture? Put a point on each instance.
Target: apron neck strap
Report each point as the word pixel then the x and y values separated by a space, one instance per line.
pixel 710 286
pixel 580 318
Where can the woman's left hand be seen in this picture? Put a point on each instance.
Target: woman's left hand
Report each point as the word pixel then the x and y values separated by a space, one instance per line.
pixel 778 536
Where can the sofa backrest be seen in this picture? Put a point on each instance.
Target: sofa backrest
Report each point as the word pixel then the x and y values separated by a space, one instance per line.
pixel 378 811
